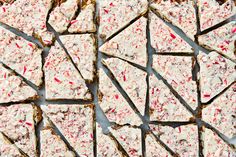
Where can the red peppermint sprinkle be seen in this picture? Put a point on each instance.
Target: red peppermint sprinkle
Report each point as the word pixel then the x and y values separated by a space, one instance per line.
pixel 223 48
pixel 117 96
pixel 179 129
pixel 57 80
pixel 5 76
pixel 18 46
pixel 189 78
pixel 227 42
pixel 113 110
pixel 71 83
pixel 207 95
pixel 218 141
pixel 138 29
pixel 47 64
pixel 122 137
pixel 217 111
pixel 30 44
pixel 9 94
pixel 27 123
pixel 91 135
pixel 106 11
pixel 4 9
pixel 180 19
pixel 111 4
pixel 225 81
pixel 234 30
pixel 73 21
pixel 172 36
pixel 221 59
pixel 21 121
pixel 24 70
pixel 44 26
pixel 132 151
pixel 216 62
pixel 214 119
pixel 174 82
pixel 124 77
pixel 152 91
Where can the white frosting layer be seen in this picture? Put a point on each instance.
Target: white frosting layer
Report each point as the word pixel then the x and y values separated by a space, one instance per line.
pixel 183 140
pixel 212 13
pixel 182 14
pixel 153 148
pixel 116 14
pixel 84 22
pixel 29 16
pixel 221 112
pixel 214 146
pixel 13 88
pixel 82 50
pixel 21 55
pixel 61 16
pixel 7 149
pixel 177 70
pixel 106 147
pixel 18 124
pixel 114 105
pixel 164 106
pixel 62 80
pixel 216 73
pixel 129 138
pixel 131 79
pixel 164 39
pixel 130 44
pixel 75 122
pixel 53 145
pixel 221 40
